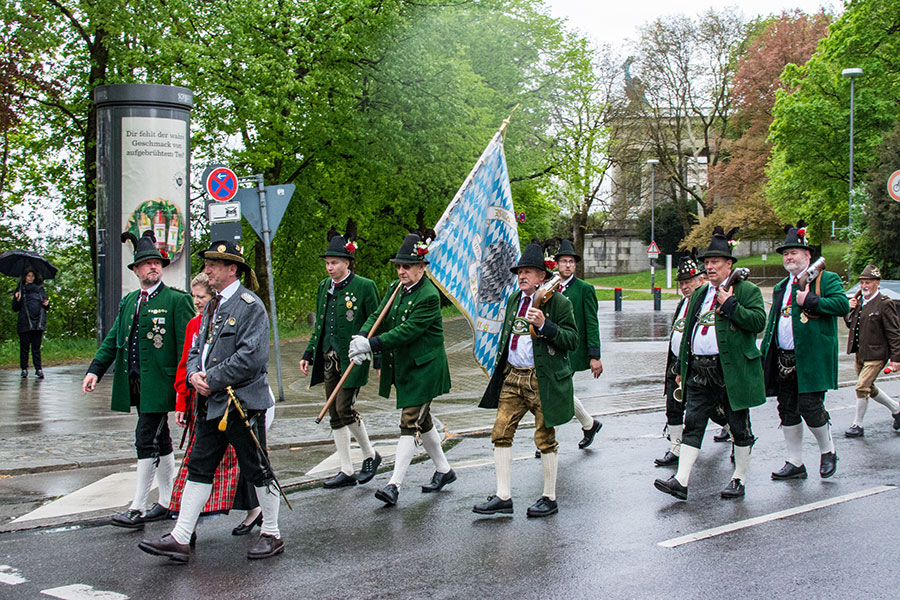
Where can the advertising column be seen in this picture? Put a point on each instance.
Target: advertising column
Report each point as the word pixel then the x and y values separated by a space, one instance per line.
pixel 143 183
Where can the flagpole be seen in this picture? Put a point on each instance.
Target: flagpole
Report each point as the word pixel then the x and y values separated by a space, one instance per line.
pixel 506 122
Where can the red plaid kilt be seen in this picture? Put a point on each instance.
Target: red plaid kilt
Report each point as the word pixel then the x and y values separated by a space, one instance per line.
pixel 225 481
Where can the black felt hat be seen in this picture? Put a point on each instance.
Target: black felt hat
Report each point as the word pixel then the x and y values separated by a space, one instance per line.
pixel 688 267
pixel 795 237
pixel 145 248
pixel 567 249
pixel 532 257
pixel 721 244
pixel 339 246
pixel 413 250
pixel 230 251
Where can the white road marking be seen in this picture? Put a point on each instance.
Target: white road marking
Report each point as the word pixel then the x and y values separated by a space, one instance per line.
pixel 10 575
pixel 110 492
pixel 79 591
pixel 782 514
pixel 468 464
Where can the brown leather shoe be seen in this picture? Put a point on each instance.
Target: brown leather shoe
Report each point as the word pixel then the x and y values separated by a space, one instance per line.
pixel 167 546
pixel 266 546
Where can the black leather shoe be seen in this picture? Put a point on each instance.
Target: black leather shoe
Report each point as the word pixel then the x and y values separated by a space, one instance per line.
pixel 193 542
pixel 494 505
pixel 438 481
pixel 266 547
pixel 169 547
pixel 39 373
pixel 828 464
pixel 667 460
pixel 735 489
pixel 388 494
pixel 544 507
pixel 130 519
pixel 245 528
pixel 368 470
pixel 722 436
pixel 589 434
pixel 537 453
pixel 24 373
pixel 672 487
pixel 790 471
pixel 856 431
pixel 896 424
pixel 156 513
pixel 340 480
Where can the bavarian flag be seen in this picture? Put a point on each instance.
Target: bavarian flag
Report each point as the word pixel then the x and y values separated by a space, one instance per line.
pixel 477 243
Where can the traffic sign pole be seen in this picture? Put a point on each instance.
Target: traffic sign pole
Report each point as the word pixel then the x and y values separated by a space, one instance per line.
pixel 267 244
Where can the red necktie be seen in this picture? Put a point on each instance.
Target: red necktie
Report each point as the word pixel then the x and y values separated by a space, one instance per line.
pixel 715 301
pixel 522 311
pixel 141 300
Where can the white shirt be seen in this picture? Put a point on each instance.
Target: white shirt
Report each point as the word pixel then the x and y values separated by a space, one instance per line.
pixel 149 291
pixel 523 356
pixel 785 318
pixel 678 328
pixel 334 283
pixel 565 284
pixel 227 293
pixel 706 344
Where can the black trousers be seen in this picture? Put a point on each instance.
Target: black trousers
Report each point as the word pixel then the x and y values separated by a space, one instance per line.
pixel 30 340
pixel 706 398
pixel 794 406
pixel 244 493
pixel 152 438
pixel 210 445
pixel 674 409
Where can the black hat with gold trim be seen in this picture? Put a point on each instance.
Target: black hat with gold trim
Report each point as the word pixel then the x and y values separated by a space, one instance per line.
pixel 688 267
pixel 229 251
pixel 145 248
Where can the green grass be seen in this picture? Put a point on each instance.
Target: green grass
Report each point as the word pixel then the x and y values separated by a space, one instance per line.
pixel 633 295
pixel 53 351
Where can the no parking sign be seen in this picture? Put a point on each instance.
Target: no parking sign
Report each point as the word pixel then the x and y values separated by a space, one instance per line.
pixel 893 186
pixel 221 184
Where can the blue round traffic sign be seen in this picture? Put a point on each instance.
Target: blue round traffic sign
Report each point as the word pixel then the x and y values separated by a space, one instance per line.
pixel 222 184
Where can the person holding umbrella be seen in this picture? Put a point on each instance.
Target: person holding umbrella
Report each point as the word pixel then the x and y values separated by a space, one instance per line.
pixel 31 302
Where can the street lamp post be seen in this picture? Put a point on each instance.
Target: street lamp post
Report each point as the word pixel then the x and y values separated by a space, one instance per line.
pixel 850 74
pixel 652 162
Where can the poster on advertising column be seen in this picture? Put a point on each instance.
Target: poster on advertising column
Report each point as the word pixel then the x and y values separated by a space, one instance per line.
pixel 155 192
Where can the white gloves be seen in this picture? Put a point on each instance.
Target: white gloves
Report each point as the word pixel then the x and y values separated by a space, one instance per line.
pixel 360 350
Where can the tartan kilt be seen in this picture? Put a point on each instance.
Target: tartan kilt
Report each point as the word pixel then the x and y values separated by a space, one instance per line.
pixel 225 482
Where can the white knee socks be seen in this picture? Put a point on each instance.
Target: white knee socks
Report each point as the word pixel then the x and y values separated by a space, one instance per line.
pixel 165 478
pixel 741 462
pixel 890 403
pixel 269 501
pixel 861 405
pixel 432 442
pixel 146 470
pixel 823 436
pixel 586 420
pixel 675 432
pixel 503 463
pixel 362 438
pixel 686 461
pixel 406 450
pixel 342 443
pixel 549 461
pixel 793 439
pixel 193 499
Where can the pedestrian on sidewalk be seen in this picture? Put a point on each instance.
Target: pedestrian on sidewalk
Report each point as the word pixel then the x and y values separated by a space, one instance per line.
pixel 232 351
pixel 690 276
pixel 800 354
pixel 413 360
pixel 721 373
pixel 143 346
pixel 875 339
pixel 31 302
pixel 230 489
pixel 532 374
pixel 586 354
pixel 344 302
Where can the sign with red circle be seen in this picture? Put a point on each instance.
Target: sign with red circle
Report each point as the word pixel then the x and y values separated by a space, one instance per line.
pixel 893 185
pixel 222 184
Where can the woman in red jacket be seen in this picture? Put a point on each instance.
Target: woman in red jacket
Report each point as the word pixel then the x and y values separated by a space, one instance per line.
pixel 229 489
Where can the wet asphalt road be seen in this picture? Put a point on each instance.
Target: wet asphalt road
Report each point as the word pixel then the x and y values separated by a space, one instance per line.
pixel 604 543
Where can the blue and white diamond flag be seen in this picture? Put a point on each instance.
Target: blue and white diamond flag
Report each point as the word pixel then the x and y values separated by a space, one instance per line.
pixel 477 243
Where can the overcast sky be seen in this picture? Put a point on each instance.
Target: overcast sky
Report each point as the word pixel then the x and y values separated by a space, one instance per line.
pixel 616 22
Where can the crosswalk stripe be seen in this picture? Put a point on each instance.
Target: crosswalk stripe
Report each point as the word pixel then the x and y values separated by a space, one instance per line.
pixel 79 591
pixel 10 575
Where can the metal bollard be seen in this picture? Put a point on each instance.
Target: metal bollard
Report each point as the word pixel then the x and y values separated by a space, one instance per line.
pixel 657 298
pixel 618 299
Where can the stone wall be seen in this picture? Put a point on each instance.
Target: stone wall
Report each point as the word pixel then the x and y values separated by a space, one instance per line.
pixel 614 253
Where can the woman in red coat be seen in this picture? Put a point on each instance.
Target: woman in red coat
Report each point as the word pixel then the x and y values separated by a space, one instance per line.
pixel 229 489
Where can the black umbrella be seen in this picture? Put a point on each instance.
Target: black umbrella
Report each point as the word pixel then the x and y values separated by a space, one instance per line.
pixel 16 262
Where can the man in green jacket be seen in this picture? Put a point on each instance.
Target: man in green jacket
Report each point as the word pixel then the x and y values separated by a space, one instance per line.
pixel 344 302
pixel 586 354
pixel 413 360
pixel 804 320
pixel 532 374
pixel 144 345
pixel 720 368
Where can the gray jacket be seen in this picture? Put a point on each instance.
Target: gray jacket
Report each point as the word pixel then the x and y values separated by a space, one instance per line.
pixel 238 353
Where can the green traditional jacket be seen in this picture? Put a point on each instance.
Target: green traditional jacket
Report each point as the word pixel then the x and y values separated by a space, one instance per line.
pixel 355 299
pixel 551 349
pixel 584 304
pixel 161 328
pixel 411 343
pixel 816 341
pixel 741 318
